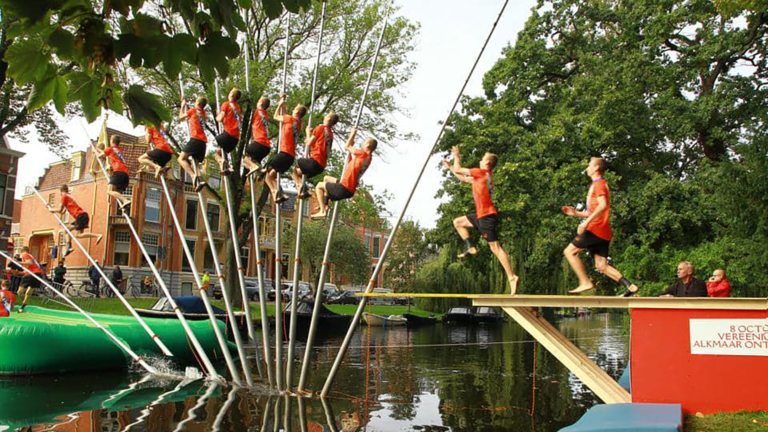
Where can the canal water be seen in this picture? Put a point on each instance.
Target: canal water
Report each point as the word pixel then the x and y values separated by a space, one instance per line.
pixel 435 378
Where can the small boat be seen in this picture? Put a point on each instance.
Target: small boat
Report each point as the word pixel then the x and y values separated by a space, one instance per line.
pixel 458 315
pixel 328 321
pixel 382 321
pixel 415 320
pixel 487 315
pixel 192 307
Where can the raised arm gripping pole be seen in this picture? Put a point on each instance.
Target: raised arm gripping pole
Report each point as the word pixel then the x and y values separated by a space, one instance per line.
pixel 300 224
pixel 109 283
pixel 361 307
pixel 123 346
pixel 334 217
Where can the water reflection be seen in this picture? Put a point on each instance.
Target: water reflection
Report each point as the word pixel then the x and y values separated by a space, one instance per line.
pixel 434 378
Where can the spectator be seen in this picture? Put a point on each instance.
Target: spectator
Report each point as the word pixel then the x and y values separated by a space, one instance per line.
pixel 687 286
pixel 206 281
pixel 95 276
pixel 718 285
pixel 147 285
pixel 58 273
pixel 16 273
pixel 117 277
pixel 7 300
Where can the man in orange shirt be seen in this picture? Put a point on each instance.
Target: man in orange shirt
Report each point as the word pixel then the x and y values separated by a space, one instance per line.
pixel 28 281
pixel 331 188
pixel 260 146
pixel 161 154
pixel 7 300
pixel 320 143
pixel 486 218
pixel 81 219
pixel 594 233
pixel 195 148
pixel 119 180
pixel 232 118
pixel 290 135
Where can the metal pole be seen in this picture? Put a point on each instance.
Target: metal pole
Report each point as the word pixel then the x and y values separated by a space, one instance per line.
pixel 345 344
pixel 334 217
pixel 114 289
pixel 262 294
pixel 109 334
pixel 247 67
pixel 300 225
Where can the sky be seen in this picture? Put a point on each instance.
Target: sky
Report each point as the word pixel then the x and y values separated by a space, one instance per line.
pixel 449 40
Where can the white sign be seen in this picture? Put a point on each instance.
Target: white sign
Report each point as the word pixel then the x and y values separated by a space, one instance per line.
pixel 742 337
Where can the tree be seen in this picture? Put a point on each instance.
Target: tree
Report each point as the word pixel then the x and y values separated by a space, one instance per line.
pixel 408 253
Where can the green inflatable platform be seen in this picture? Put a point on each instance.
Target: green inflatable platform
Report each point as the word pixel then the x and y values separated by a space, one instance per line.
pixel 45 341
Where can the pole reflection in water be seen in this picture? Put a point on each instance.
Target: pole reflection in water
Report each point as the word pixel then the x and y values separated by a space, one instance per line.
pixel 224 408
pixel 148 410
pixel 266 413
pixel 200 402
pixel 302 414
pixel 329 417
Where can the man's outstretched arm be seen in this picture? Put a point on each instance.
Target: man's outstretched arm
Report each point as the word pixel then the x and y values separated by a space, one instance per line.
pixel 462 178
pixel 456 168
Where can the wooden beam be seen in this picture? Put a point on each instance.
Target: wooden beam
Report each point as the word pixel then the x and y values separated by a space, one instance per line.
pixel 570 355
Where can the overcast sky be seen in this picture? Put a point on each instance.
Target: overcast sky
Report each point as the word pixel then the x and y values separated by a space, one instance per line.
pixel 451 35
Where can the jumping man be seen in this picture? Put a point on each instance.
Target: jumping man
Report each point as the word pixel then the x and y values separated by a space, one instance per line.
pixel 320 143
pixel 259 147
pixel 594 233
pixel 118 181
pixel 195 148
pixel 157 158
pixel 283 161
pixel 232 118
pixel 81 219
pixel 331 188
pixel 28 281
pixel 486 218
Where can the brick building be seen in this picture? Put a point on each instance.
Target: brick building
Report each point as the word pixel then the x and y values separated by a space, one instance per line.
pixel 9 162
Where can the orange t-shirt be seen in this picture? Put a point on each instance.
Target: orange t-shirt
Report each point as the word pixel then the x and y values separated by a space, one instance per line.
pixel 233 118
pixel 600 226
pixel 291 130
pixel 196 130
pixel 72 207
pixel 158 139
pixel 7 301
pixel 482 190
pixel 260 127
pixel 355 169
pixel 34 267
pixel 322 145
pixel 116 159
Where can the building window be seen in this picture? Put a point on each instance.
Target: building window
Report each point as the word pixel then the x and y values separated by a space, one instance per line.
pixel 187 178
pixel 212 211
pixel 18 243
pixel 184 262
pixel 51 196
pixel 263 225
pixel 214 182
pixel 152 206
pixel 176 171
pixel 191 221
pixel 128 192
pixel 3 188
pixel 208 264
pixel 151 242
pixel 245 256
pixel 122 248
pixel 286 261
pixel 76 164
pixel 186 288
pixel 376 245
pixel 367 240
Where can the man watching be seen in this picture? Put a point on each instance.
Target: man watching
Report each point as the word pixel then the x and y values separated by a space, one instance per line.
pixel 687 285
pixel 718 285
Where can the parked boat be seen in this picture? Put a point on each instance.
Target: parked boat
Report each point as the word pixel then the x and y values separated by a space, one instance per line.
pixel 328 321
pixel 192 307
pixel 458 315
pixel 487 315
pixel 415 320
pixel 382 321
pixel 46 341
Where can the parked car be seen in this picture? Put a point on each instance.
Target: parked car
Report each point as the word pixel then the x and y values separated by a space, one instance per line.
pixel 252 288
pixel 330 290
pixel 344 297
pixel 304 292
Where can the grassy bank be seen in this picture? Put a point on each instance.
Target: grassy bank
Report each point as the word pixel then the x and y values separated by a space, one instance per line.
pixel 728 422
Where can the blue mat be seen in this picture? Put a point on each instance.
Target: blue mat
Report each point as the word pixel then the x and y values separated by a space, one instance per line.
pixel 626 380
pixel 630 417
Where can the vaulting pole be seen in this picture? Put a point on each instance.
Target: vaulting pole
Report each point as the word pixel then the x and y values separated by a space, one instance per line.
pixel 300 224
pixel 334 217
pixel 262 294
pixel 361 307
pixel 123 346
pixel 114 289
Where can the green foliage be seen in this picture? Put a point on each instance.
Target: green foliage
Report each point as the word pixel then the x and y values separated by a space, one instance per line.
pixel 143 107
pixel 408 252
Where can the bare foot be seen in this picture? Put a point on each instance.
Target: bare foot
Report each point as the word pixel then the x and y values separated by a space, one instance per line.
pixel 581 289
pixel 513 280
pixel 468 252
pixel 98 239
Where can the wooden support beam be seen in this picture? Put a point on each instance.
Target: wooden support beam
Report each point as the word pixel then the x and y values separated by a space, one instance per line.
pixel 570 355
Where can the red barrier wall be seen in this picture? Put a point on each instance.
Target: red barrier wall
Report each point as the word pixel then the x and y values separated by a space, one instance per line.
pixel 663 370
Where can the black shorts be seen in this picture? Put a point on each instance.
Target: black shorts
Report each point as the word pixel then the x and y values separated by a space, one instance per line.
pixel 226 142
pixel 257 151
pixel 119 180
pixel 309 167
pixel 159 157
pixel 592 243
pixel 29 281
pixel 337 192
pixel 196 149
pixel 81 222
pixel 282 162
pixel 486 225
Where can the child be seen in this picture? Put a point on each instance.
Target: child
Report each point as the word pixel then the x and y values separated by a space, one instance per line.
pixel 195 148
pixel 320 142
pixel 7 300
pixel 118 181
pixel 28 281
pixel 81 219
pixel 157 158
pixel 259 147
pixel 232 118
pixel 486 218
pixel 330 187
pixel 290 134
